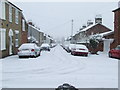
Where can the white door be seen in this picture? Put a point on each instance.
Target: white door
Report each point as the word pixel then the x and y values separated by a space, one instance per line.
pixel 106 45
pixel 10 45
pixel 10 42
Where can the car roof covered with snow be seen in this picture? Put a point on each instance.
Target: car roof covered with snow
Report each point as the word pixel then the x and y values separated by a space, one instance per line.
pixel 71 45
pixel 28 46
pixel 80 46
pixel 45 45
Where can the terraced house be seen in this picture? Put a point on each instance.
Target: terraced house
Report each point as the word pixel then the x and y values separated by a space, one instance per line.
pixel 35 34
pixel 12 28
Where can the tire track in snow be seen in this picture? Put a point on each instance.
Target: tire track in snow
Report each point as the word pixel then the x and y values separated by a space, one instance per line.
pixel 67 65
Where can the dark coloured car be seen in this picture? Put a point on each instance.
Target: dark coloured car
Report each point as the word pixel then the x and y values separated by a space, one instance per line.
pixel 66 86
pixel 115 53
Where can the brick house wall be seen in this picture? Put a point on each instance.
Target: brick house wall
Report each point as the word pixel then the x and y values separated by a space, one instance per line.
pixel 98 28
pixel 13 26
pixel 116 28
pixel 91 30
pixel 95 29
pixel 24 33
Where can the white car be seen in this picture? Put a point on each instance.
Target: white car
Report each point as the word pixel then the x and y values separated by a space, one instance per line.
pixel 80 49
pixel 28 49
pixel 71 47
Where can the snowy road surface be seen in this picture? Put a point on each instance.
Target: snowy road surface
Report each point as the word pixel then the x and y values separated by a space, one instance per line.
pixel 56 67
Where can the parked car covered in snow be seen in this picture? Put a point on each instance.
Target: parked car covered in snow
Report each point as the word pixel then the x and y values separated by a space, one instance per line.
pixel 45 47
pixel 115 53
pixel 28 49
pixel 70 47
pixel 52 45
pixel 80 49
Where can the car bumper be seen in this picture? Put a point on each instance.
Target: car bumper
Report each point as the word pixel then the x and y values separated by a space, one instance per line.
pixel 116 56
pixel 80 53
pixel 26 54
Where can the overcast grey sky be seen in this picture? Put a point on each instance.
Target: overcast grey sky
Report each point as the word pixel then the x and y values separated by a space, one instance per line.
pixel 54 18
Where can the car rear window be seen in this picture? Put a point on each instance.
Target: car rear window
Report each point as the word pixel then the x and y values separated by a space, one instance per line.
pixel 27 46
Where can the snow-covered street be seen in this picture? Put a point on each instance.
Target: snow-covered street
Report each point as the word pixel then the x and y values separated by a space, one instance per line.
pixel 56 67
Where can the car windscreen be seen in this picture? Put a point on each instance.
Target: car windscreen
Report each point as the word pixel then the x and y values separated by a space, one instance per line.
pixel 117 48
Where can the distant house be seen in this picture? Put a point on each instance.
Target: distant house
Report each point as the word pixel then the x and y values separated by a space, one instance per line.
pixel 35 35
pixel 116 27
pixel 11 27
pixel 83 36
pixel 48 39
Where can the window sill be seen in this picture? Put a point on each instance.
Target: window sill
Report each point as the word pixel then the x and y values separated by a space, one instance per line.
pixel 3 49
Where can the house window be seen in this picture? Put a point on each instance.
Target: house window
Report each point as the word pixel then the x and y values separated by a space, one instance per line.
pixel 23 24
pixel 16 16
pixel 10 13
pixel 16 38
pixel 2 10
pixel 2 39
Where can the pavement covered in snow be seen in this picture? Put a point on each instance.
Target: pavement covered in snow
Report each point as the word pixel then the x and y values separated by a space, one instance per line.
pixel 56 67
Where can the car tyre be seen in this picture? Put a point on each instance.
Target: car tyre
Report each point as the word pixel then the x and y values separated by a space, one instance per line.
pixel 72 54
pixel 20 56
pixel 39 54
pixel 110 55
pixel 86 55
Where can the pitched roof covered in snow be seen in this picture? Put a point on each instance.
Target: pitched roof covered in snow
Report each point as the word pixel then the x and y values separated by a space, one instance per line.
pixel 95 28
pixel 116 9
pixel 85 29
pixel 106 33
pixel 35 28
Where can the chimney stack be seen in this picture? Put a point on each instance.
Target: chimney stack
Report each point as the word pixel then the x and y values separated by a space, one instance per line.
pixel 98 19
pixel 84 26
pixel 89 22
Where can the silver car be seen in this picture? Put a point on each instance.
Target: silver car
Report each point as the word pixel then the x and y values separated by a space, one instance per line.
pixel 28 49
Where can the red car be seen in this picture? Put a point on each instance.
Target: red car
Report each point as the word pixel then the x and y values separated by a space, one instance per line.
pixel 115 53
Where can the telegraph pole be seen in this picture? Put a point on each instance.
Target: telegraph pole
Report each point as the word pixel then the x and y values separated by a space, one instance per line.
pixel 72 31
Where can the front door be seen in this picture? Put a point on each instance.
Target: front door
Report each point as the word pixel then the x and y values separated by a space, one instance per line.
pixel 10 46
pixel 10 42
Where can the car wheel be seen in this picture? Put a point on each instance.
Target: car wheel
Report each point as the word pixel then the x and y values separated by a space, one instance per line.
pixel 20 56
pixel 110 55
pixel 35 55
pixel 72 53
pixel 39 54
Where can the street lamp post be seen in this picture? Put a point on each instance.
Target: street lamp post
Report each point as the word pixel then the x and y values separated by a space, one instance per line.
pixel 72 32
